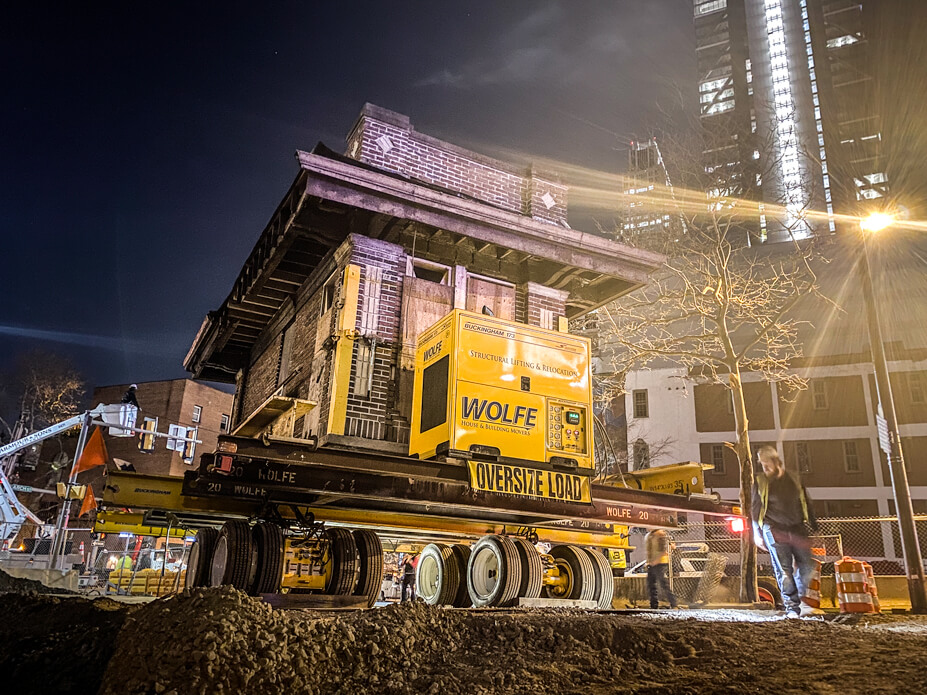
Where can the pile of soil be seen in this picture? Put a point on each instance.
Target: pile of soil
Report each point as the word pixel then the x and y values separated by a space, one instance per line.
pixel 16 585
pixel 56 645
pixel 222 641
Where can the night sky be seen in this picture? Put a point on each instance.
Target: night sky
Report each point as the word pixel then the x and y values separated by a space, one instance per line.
pixel 145 146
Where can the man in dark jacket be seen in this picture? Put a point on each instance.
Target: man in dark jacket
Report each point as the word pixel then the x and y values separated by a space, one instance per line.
pixel 129 396
pixel 781 511
pixel 408 579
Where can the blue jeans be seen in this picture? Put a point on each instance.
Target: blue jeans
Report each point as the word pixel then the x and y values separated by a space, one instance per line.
pixel 791 560
pixel 658 580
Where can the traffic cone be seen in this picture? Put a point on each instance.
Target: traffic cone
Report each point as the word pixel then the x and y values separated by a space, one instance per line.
pixel 871 585
pixel 812 595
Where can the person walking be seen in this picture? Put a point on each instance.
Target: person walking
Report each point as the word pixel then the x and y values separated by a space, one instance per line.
pixel 782 514
pixel 408 580
pixel 658 548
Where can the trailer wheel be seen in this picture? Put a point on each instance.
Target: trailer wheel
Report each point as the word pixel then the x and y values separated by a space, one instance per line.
pixel 462 558
pixel 199 562
pixel 532 569
pixel 437 578
pixel 604 581
pixel 342 553
pixel 268 539
pixel 231 561
pixel 577 565
pixel 493 572
pixel 370 560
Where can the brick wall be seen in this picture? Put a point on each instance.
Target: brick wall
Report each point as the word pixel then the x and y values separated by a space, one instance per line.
pixel 172 403
pixel 261 379
pixel 375 413
pixel 387 140
pixel 540 306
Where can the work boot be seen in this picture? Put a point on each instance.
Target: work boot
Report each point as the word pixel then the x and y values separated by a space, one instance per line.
pixel 806 611
pixel 793 613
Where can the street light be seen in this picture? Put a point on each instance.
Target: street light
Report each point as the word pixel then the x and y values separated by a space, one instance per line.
pixel 888 423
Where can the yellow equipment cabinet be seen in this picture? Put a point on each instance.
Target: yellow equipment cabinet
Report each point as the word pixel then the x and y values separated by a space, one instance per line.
pixel 488 386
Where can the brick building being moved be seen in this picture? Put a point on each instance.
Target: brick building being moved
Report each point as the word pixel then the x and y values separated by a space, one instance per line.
pixel 368 249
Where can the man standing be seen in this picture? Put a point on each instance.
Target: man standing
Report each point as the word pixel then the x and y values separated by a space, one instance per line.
pixel 408 579
pixel 658 549
pixel 781 509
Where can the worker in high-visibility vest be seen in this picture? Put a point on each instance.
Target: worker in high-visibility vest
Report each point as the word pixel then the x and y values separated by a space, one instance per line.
pixel 658 547
pixel 781 514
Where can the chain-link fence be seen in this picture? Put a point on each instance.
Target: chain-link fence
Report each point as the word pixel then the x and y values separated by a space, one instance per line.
pixel 114 563
pixel 875 540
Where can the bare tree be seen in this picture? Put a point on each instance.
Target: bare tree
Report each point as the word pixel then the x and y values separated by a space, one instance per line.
pixel 48 389
pixel 721 304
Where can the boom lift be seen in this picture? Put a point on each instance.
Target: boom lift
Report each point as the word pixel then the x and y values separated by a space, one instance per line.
pixel 501 457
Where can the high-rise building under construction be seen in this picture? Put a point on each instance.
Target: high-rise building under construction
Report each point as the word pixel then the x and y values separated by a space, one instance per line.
pixel 792 103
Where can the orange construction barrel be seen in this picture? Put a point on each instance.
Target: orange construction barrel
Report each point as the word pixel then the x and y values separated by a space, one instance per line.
pixel 852 587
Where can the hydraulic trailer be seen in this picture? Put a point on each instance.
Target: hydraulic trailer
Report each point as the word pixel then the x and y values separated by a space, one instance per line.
pixel 299 519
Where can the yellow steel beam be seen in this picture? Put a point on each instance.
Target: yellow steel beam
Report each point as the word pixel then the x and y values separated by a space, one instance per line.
pixel 345 334
pixel 139 491
pixel 109 521
pixel 143 491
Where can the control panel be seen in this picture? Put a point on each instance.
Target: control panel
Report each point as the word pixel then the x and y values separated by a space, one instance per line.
pixel 566 428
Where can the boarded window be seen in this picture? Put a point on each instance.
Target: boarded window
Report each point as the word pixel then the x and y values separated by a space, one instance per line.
pixel 499 297
pixel 423 304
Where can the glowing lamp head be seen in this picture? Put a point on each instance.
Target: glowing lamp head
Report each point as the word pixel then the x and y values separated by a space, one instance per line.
pixel 736 524
pixel 876 222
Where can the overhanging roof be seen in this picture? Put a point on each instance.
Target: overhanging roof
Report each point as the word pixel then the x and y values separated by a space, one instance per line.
pixel 334 196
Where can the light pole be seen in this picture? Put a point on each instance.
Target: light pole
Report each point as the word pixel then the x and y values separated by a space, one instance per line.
pixel 914 566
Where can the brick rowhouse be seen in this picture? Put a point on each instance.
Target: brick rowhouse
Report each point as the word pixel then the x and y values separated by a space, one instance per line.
pixel 400 230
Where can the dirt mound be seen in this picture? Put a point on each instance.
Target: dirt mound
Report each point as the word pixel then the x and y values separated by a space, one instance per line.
pixel 28 587
pixel 222 641
pixel 56 645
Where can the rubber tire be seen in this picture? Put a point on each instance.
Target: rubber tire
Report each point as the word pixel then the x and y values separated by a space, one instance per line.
pixel 462 558
pixel 269 543
pixel 604 581
pixel 370 565
pixel 583 588
pixel 446 579
pixel 239 554
pixel 532 569
pixel 343 556
pixel 199 561
pixel 772 586
pixel 508 571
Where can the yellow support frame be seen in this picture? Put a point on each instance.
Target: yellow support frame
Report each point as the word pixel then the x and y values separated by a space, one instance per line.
pixel 345 336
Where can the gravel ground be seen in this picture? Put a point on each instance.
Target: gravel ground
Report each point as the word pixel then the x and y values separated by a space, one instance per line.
pixel 222 641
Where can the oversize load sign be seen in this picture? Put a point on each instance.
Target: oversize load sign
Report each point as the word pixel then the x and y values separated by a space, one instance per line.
pixel 506 479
